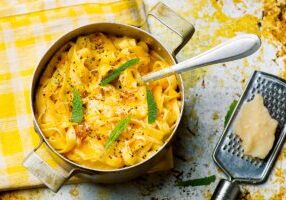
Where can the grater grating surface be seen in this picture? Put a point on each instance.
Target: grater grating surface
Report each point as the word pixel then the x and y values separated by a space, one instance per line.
pixel 228 154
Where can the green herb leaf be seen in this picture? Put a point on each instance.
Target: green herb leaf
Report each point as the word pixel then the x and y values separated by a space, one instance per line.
pixel 119 128
pixel 229 112
pixel 197 182
pixel 118 71
pixel 152 107
pixel 77 108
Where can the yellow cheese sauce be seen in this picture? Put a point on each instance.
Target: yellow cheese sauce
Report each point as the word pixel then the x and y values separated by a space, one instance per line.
pixel 81 65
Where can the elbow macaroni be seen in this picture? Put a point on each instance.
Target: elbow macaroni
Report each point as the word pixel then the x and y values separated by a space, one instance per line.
pixel 82 65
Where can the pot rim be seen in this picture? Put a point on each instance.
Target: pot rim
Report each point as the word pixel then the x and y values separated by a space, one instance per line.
pixel 35 80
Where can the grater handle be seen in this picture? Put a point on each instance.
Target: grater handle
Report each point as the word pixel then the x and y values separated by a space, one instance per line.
pixel 226 190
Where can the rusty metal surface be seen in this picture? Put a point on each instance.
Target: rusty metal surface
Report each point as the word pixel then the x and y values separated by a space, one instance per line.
pixel 209 92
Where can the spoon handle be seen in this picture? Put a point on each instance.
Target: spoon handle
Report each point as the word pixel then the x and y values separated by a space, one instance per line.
pixel 233 49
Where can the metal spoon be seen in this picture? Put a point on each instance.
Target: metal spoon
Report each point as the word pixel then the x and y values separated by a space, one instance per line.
pixel 233 49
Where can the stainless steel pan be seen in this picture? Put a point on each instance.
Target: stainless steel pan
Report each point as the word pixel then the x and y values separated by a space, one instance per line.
pixel 54 177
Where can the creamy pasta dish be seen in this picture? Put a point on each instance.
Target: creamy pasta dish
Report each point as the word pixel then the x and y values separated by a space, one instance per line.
pixel 81 66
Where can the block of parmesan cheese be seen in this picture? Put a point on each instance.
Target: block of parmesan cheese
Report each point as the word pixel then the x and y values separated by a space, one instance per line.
pixel 256 128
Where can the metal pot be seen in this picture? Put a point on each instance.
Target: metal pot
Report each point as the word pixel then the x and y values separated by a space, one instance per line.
pixel 55 177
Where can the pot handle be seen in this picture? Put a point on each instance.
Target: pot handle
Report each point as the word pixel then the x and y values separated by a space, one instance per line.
pixel 52 176
pixel 174 22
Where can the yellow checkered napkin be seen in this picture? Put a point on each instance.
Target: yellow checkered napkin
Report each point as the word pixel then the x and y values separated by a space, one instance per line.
pixel 26 31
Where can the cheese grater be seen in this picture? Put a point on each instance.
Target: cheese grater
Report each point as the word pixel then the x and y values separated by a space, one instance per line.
pixel 228 153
